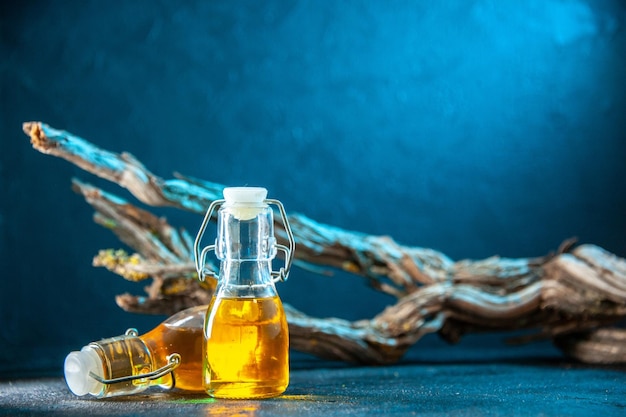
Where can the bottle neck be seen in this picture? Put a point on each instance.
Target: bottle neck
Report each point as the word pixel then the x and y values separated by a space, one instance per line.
pixel 247 238
pixel 112 361
pixel 245 245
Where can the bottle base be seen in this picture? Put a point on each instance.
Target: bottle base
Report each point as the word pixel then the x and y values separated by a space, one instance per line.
pixel 244 390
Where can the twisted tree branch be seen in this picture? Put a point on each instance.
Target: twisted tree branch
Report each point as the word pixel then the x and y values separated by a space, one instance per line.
pixel 572 296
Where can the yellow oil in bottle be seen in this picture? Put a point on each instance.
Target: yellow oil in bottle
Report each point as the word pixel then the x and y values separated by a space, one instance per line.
pixel 247 348
pixel 166 339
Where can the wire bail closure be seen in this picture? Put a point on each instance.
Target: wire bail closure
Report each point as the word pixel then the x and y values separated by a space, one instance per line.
pixel 200 255
pixel 173 361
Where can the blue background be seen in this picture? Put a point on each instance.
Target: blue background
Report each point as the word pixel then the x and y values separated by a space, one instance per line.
pixel 476 128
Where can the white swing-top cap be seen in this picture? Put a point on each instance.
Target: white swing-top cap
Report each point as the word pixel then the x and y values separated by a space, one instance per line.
pixel 245 195
pixel 245 202
pixel 77 367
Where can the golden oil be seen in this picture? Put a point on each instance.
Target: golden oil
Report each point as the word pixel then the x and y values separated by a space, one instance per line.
pixel 247 348
pixel 185 337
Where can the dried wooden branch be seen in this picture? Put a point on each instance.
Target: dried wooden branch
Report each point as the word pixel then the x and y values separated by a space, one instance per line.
pixel 369 256
pixel 573 296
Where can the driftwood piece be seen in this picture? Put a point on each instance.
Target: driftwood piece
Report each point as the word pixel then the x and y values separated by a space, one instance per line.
pixel 573 296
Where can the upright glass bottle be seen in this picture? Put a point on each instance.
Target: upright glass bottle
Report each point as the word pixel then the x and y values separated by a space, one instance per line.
pixel 168 356
pixel 246 350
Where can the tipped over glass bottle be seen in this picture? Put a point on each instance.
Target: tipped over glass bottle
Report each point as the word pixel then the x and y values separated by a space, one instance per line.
pixel 169 356
pixel 246 335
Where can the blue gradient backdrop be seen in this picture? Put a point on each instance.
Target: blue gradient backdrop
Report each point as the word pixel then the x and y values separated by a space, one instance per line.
pixel 476 128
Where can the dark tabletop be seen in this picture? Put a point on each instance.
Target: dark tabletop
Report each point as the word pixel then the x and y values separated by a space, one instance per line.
pixel 504 388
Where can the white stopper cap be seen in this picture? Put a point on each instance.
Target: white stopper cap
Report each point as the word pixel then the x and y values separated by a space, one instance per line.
pixel 77 368
pixel 245 195
pixel 245 202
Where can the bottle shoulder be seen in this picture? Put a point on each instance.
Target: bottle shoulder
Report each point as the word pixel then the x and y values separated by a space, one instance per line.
pixel 192 317
pixel 234 291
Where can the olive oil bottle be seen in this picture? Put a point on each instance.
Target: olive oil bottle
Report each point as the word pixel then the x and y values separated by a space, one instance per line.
pixel 169 356
pixel 246 342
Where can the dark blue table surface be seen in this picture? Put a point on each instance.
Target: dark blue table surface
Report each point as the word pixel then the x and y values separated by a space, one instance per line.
pixel 508 387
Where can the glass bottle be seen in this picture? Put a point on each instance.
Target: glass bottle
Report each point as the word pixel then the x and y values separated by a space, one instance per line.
pixel 245 331
pixel 169 356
